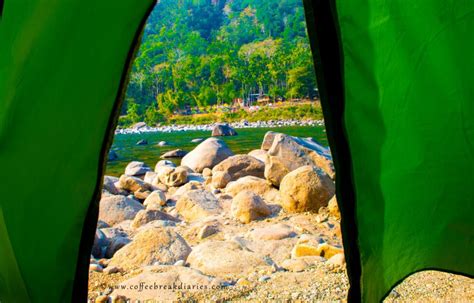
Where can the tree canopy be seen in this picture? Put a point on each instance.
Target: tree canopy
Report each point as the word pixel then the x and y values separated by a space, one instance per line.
pixel 202 53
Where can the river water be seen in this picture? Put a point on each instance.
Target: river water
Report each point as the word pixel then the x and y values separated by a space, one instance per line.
pixel 246 140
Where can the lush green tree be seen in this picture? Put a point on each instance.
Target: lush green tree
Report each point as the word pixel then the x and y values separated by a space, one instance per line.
pixel 207 52
pixel 133 111
pixel 153 116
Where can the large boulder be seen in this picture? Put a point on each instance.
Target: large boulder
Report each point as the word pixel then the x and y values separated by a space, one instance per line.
pixel 163 163
pixel 171 176
pixel 133 184
pixel 141 194
pixel 208 229
pixel 152 245
pixel 149 177
pixel 109 185
pixel 156 199
pixel 223 129
pixel 293 152
pixel 115 209
pixel 100 244
pixel 256 185
pixel 145 216
pixel 224 259
pixel 207 154
pixel 153 224
pixel 175 153
pixel 207 172
pixel 167 278
pixel 196 204
pixel 112 155
pixel 276 168
pixel 116 239
pixel 239 166
pixel 136 168
pixel 192 185
pixel 125 226
pixel 220 179
pixel 158 185
pixel 306 189
pixel 247 207
pixel 273 232
pixel 268 140
pixel 276 250
pixel 187 169
pixel 162 172
pixel 259 154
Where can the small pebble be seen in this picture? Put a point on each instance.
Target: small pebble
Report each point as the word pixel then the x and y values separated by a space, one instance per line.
pixel 112 270
pixel 179 263
pixel 118 299
pixel 264 278
pixel 95 267
pixel 102 299
pixel 243 282
pixel 394 294
pixel 103 262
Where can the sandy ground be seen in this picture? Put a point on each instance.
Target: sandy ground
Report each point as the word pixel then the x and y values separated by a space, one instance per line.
pixel 318 283
pixel 322 282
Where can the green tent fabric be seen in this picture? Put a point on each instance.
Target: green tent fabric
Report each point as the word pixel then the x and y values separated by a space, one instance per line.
pixel 61 68
pixel 397 89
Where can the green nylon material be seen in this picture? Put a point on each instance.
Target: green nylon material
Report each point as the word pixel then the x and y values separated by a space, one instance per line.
pixel 61 63
pixel 409 107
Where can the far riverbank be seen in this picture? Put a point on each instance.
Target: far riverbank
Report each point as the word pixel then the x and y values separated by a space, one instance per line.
pixel 270 115
pixel 143 128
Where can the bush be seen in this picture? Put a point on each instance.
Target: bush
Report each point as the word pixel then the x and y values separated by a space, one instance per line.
pixel 302 112
pixel 299 111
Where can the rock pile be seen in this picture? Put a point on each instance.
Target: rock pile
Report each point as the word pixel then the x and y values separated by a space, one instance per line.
pixel 223 129
pixel 219 218
pixel 209 127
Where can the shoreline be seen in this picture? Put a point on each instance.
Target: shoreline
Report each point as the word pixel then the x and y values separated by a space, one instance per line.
pixel 208 127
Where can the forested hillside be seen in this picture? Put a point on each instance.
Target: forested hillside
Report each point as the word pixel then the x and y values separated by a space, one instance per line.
pixel 201 53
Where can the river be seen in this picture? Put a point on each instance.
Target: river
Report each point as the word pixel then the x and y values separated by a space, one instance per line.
pixel 246 140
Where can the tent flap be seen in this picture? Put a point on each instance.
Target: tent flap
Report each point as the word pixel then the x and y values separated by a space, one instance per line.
pixel 62 64
pixel 398 91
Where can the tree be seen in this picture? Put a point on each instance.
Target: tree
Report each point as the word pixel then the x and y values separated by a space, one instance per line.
pixel 153 116
pixel 200 53
pixel 133 111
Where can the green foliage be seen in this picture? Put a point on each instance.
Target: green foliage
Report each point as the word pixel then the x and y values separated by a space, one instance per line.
pixel 153 116
pixel 132 111
pixel 303 112
pixel 202 53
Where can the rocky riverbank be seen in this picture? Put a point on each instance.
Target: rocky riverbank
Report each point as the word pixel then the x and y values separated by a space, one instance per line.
pixel 141 127
pixel 261 226
pixel 219 220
